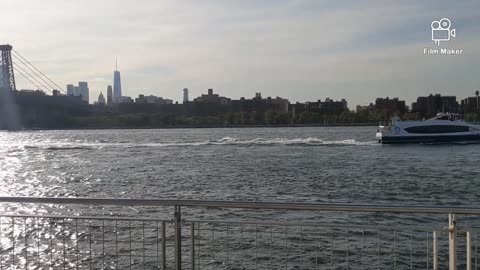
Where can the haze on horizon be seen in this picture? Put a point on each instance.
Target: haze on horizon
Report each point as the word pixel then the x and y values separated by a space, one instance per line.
pixel 297 49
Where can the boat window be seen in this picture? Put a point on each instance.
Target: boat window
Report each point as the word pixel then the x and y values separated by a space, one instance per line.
pixel 474 129
pixel 437 129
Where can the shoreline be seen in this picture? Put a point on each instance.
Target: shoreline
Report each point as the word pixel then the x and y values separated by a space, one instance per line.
pixel 211 126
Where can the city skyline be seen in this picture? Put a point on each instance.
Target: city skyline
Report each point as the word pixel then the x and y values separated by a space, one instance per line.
pixel 299 50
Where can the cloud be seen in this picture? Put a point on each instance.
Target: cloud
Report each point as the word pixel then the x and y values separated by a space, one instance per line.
pixel 302 50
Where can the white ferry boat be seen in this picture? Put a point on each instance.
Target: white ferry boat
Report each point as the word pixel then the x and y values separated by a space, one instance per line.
pixel 443 128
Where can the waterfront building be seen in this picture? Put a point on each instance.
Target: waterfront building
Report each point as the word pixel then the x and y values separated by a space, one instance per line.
pixel 185 95
pixel 211 103
pixel 280 103
pixel 329 106
pixel 70 90
pixel 390 106
pixel 117 86
pixel 210 97
pixel 333 107
pixel 470 105
pixel 27 97
pixel 431 105
pixel 259 104
pixel 142 99
pixel 124 99
pixel 109 94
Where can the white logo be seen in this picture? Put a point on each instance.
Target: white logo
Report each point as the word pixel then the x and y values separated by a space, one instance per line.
pixel 441 31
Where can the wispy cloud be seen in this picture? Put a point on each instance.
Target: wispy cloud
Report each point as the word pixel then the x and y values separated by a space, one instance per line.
pixel 299 49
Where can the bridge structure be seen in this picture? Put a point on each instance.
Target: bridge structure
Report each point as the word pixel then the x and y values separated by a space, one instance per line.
pixel 11 62
pixel 7 78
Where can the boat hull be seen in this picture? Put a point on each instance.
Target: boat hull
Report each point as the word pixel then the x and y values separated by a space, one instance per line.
pixel 471 138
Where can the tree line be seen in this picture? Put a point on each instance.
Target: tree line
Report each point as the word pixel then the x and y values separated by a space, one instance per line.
pixel 59 118
pixel 267 118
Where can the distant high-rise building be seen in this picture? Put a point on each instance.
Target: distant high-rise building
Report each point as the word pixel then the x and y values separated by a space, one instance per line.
pixel 124 99
pixel 390 106
pixel 212 98
pixel 431 105
pixel 117 85
pixel 83 91
pixel 185 95
pixel 79 91
pixel 329 106
pixel 470 104
pixel 70 90
pixel 152 99
pixel 109 95
pixel 101 99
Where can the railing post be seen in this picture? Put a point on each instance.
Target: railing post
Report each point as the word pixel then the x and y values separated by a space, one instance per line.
pixel 452 242
pixel 435 251
pixel 192 235
pixel 164 246
pixel 178 238
pixel 469 251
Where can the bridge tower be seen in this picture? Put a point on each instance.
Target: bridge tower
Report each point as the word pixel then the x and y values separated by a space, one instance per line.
pixel 7 79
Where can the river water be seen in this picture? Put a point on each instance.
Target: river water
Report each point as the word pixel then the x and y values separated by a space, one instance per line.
pixel 315 164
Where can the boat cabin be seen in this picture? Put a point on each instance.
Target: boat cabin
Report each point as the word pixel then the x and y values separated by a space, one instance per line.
pixel 447 116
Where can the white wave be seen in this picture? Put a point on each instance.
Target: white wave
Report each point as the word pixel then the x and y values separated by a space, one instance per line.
pixel 310 141
pixel 276 141
pixel 285 141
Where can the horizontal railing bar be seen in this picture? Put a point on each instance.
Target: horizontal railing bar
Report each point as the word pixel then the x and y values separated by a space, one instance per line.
pixel 230 222
pixel 86 218
pixel 333 207
pixel 320 225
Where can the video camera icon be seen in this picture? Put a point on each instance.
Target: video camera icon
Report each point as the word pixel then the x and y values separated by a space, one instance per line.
pixel 441 31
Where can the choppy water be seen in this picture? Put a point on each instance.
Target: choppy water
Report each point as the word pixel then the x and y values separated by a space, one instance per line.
pixel 322 164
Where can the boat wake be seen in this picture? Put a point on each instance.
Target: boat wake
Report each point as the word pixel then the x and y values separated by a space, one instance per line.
pixel 54 147
pixel 284 141
pixel 227 141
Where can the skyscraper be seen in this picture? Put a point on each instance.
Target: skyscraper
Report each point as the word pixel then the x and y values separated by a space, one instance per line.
pixel 185 95
pixel 117 85
pixel 83 91
pixel 109 94
pixel 70 90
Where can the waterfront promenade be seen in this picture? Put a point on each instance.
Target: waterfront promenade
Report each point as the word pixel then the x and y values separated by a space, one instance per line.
pixel 180 239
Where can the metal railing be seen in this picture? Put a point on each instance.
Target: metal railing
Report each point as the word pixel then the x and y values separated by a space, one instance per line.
pixel 250 240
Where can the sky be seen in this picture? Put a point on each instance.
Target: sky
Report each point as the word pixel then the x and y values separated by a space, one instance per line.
pixel 296 49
